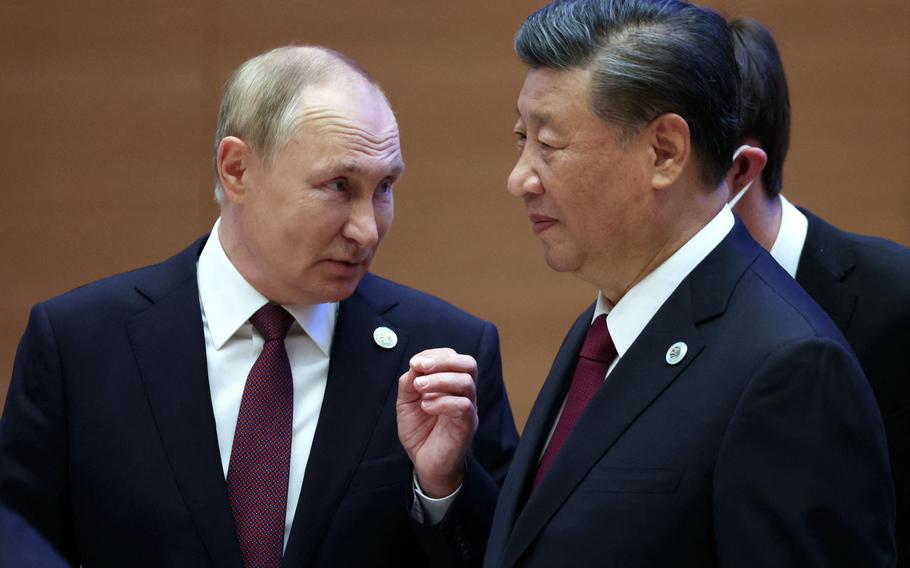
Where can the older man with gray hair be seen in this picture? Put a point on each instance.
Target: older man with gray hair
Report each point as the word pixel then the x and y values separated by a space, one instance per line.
pixel 703 411
pixel 235 405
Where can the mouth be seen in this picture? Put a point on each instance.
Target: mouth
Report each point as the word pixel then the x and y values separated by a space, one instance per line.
pixel 346 267
pixel 540 223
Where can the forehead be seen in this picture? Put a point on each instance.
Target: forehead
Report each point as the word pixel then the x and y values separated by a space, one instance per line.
pixel 353 124
pixel 555 96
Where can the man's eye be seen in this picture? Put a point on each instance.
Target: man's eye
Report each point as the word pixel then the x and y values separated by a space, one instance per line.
pixel 384 187
pixel 522 139
pixel 338 185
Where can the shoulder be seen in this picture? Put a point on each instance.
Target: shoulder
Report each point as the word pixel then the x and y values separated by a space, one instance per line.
pixel 781 308
pixel 881 281
pixel 873 255
pixel 109 291
pixel 784 346
pixel 881 258
pixel 874 270
pixel 124 293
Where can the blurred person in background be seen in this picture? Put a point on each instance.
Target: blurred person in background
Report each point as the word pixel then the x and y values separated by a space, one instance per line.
pixel 862 282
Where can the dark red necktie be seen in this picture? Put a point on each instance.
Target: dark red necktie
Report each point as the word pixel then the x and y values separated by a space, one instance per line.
pixel 594 359
pixel 257 479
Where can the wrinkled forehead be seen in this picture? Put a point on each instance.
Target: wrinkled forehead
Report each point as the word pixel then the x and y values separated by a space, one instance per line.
pixel 354 121
pixel 548 95
pixel 359 106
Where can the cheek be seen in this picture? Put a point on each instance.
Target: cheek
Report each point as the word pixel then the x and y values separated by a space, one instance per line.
pixel 385 213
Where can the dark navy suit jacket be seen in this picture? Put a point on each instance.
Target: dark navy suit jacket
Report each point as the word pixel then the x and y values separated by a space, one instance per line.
pixel 864 285
pixel 762 447
pixel 22 547
pixel 108 445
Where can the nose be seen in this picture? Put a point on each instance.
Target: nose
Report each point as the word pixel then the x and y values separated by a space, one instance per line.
pixel 361 226
pixel 524 180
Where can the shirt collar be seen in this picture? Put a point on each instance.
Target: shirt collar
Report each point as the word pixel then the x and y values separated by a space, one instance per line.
pixel 635 309
pixel 788 246
pixel 228 300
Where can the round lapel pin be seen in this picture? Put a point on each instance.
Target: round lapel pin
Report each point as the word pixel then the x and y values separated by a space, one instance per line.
pixel 385 337
pixel 676 353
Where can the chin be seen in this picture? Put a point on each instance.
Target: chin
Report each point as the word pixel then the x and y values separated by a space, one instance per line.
pixel 338 291
pixel 327 292
pixel 559 263
pixel 337 297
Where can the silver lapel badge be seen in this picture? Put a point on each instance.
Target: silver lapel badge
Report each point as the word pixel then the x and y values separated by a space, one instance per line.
pixel 385 337
pixel 676 353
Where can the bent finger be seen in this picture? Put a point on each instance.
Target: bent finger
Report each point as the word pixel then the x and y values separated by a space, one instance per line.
pixel 458 384
pixel 443 360
pixel 458 407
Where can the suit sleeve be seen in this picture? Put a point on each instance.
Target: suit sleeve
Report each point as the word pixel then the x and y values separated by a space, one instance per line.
pixel 33 450
pixel 802 478
pixel 460 539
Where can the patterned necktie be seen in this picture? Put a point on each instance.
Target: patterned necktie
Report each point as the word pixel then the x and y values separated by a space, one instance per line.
pixel 594 359
pixel 257 479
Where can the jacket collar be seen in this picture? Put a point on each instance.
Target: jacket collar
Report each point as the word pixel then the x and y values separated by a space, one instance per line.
pixel 826 263
pixel 169 347
pixel 636 381
pixel 362 377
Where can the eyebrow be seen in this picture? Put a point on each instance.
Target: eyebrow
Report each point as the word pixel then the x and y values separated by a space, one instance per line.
pixel 349 166
pixel 537 117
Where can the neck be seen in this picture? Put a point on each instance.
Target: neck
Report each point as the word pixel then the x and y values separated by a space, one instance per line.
pixel 684 219
pixel 761 214
pixel 232 242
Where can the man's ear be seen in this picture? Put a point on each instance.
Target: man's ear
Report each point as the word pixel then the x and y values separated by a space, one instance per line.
pixel 671 146
pixel 746 168
pixel 234 158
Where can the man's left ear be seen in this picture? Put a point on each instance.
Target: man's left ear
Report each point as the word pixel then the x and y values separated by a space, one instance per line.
pixel 747 167
pixel 671 145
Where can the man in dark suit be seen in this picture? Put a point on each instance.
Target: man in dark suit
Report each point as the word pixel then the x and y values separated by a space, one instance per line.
pixel 862 282
pixel 235 404
pixel 704 411
pixel 22 547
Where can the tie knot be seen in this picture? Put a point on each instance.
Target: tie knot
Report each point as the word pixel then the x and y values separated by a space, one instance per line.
pixel 272 321
pixel 598 343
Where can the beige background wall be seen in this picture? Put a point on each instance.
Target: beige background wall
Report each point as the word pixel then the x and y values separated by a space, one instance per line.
pixel 107 111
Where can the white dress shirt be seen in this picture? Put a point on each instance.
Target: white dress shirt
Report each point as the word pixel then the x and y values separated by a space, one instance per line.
pixel 637 307
pixel 232 345
pixel 632 313
pixel 791 237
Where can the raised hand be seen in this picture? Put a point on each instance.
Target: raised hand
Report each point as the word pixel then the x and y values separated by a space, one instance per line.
pixel 437 417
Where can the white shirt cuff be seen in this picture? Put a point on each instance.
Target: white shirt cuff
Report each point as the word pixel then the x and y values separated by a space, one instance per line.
pixel 428 510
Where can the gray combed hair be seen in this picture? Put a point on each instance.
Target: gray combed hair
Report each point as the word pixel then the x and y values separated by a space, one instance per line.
pixel 262 99
pixel 647 58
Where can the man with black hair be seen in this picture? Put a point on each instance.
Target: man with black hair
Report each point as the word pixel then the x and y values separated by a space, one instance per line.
pixel 704 411
pixel 862 282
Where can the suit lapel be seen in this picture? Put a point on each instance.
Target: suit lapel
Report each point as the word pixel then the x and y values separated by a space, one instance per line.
pixel 169 347
pixel 825 263
pixel 362 377
pixel 537 429
pixel 637 380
